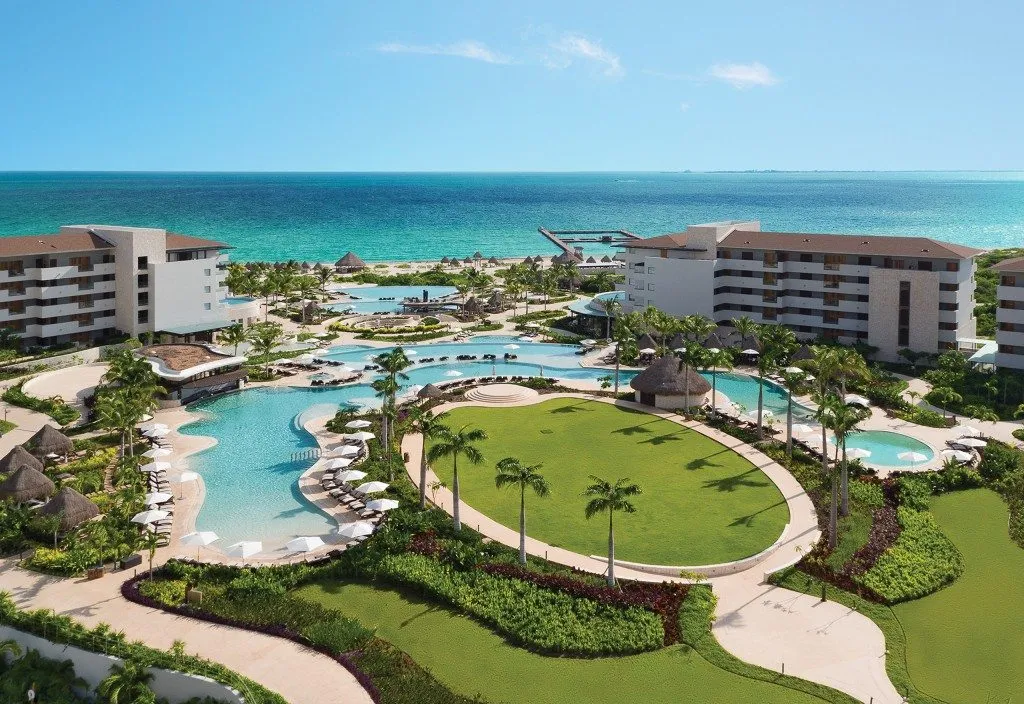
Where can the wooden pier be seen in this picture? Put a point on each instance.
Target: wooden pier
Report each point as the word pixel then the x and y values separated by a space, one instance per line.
pixel 565 239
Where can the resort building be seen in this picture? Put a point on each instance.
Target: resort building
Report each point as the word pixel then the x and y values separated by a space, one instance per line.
pixel 1010 313
pixel 193 371
pixel 88 283
pixel 889 292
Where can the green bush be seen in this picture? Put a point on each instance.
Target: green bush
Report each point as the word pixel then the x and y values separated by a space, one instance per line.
pixel 867 493
pixel 167 591
pixel 53 407
pixel 999 459
pixel 529 615
pixel 921 561
pixel 254 584
pixel 67 563
pixel 1019 433
pixel 914 491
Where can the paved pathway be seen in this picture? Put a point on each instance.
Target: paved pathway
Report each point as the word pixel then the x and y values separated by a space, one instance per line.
pixel 823 642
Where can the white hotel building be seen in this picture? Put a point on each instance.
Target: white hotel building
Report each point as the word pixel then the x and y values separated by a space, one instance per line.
pixel 87 283
pixel 889 292
pixel 1010 314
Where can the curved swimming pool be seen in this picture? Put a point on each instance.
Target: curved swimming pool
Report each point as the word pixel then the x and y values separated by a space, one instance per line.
pixel 385 299
pixel 886 446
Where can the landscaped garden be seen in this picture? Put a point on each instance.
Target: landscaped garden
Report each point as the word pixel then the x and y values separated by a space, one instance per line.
pixel 701 503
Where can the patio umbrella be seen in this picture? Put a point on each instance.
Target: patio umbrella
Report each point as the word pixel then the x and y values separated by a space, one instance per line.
pixel 199 539
pixel 958 455
pixel 750 351
pixel 967 431
pixel 338 463
pixel 795 370
pixel 358 529
pixel 855 400
pixel 185 478
pixel 362 436
pixel 803 428
pixel 858 453
pixel 382 505
pixel 146 417
pixel 157 433
pixel 151 426
pixel 350 475
pixel 912 457
pixel 304 544
pixel 648 350
pixel 588 343
pixel 972 442
pixel 358 423
pixel 511 346
pixel 453 373
pixel 155 467
pixel 150 516
pixel 156 497
pixel 157 452
pixel 244 549
pixel 345 450
pixel 372 487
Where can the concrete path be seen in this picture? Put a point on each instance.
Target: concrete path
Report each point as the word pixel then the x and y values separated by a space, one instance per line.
pixel 823 642
pixel 300 675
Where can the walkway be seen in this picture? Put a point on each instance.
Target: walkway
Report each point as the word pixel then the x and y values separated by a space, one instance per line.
pixel 300 675
pixel 823 642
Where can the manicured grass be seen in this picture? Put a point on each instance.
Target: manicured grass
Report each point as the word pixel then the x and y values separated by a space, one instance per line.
pixel 471 660
pixel 702 503
pixel 854 531
pixel 964 642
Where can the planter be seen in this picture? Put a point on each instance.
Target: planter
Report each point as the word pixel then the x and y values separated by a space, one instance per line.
pixel 95 573
pixel 131 561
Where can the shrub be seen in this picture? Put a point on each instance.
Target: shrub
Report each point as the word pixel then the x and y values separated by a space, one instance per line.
pixel 167 591
pixel 867 493
pixel 914 491
pixel 999 460
pixel 53 407
pixel 921 561
pixel 1019 433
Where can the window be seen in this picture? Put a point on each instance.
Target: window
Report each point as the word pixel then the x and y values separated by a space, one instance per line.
pixel 947 326
pixel 650 287
pixel 832 299
pixel 832 280
pixel 949 287
pixel 771 259
pixel 108 259
pixel 143 280
pixel 864 261
pixel 206 306
pixel 891 263
pixel 770 313
pixel 1008 280
pixel 650 270
pixel 749 256
pixel 143 263
pixel 143 298
pixel 206 272
pixel 770 278
pixel 725 254
pixel 952 266
pixel 769 296
pixel 834 261
pixel 143 316
pixel 830 317
pixel 924 266
pixel 83 263
pixel 903 318
pixel 1008 305
pixel 206 289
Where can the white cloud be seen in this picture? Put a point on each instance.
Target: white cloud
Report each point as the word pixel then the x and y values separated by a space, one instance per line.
pixel 744 75
pixel 468 49
pixel 684 107
pixel 572 47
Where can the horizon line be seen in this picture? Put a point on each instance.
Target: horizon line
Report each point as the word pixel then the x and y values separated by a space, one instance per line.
pixel 509 171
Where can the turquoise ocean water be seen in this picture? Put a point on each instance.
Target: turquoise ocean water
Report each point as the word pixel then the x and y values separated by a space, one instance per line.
pixel 421 216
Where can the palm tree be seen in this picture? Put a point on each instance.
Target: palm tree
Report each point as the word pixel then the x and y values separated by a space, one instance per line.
pixel 792 381
pixel 612 308
pixel 513 472
pixel 572 273
pixel 323 275
pixel 774 343
pixel 264 337
pixel 429 426
pixel 392 363
pixel 624 344
pixel 824 366
pixel 126 683
pixel 463 290
pixel 842 419
pixel 717 359
pixel 514 289
pixel 149 542
pixel 307 287
pixel 850 367
pixel 456 443
pixel 233 335
pixel 115 413
pixel 385 388
pixel 611 498
pixel 945 395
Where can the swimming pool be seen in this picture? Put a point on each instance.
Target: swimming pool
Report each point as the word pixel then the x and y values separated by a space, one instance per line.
pixel 385 299
pixel 886 446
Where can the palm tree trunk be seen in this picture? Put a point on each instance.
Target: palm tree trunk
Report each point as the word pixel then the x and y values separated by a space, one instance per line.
pixel 789 426
pixel 423 474
pixel 760 404
pixel 824 451
pixel 616 369
pixel 455 493
pixel 833 519
pixel 611 549
pixel 845 490
pixel 522 524
pixel 607 327
pixel 714 390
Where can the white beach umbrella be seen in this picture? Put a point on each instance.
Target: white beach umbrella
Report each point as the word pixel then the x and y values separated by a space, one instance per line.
pixel 156 497
pixel 157 433
pixel 306 543
pixel 855 400
pixel 345 450
pixel 453 373
pixel 338 463
pixel 912 457
pixel 372 487
pixel 511 346
pixel 958 455
pixel 533 326
pixel 305 358
pixel 356 530
pixel 967 431
pixel 972 442
pixel 146 427
pixel 647 350
pixel 146 417
pixel 150 516
pixel 588 342
pixel 185 478
pixel 351 475
pixel 803 428
pixel 382 505
pixel 358 423
pixel 244 549
pixel 858 453
pixel 795 370
pixel 155 467
pixel 751 351
pixel 199 539
pixel 157 452
pixel 361 436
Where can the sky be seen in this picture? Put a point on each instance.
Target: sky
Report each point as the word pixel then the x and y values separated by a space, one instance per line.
pixel 248 85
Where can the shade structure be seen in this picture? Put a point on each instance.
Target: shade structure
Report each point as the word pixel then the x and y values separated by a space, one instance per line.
pixel 73 508
pixel 858 453
pixel 912 457
pixel 199 539
pixel 855 400
pixel 338 463
pixel 358 423
pixel 646 341
pixel 958 455
pixel 803 353
pixel 49 440
pixel 967 431
pixel 350 475
pixel 156 497
pixel 157 433
pixel 350 261
pixel 647 350
pixel 244 549
pixel 305 358
pixel 306 543
pixel 157 452
pixel 358 529
pixel 185 478
pixel 429 391
pixel 533 326
pixel 151 426
pixel 372 487
pixel 155 467
pixel 17 458
pixel 382 505
pixel 972 442
pixel 511 346
pixel 588 342
pixel 667 376
pixel 361 436
pixel 26 484
pixel 677 341
pixel 750 351
pixel 150 516
pixel 345 450
pixel 494 261
pixel 795 370
pixel 453 373
pixel 803 428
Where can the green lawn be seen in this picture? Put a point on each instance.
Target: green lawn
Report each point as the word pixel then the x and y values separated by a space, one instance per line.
pixel 702 503
pixel 471 660
pixel 964 643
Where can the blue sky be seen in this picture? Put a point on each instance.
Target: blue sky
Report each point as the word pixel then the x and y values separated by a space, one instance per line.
pixel 525 85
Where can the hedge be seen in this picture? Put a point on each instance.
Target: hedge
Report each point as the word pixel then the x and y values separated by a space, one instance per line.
pixel 58 410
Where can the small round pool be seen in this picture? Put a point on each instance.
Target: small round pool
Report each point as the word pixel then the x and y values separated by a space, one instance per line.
pixel 386 299
pixel 886 447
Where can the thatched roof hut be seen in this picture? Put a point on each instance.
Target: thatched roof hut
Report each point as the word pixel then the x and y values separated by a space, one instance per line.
pixel 646 342
pixel 25 484
pixel 73 508
pixel 478 255
pixel 591 260
pixel 802 354
pixel 677 342
pixel 446 260
pixel 48 440
pixel 306 266
pixel 494 261
pixel 529 260
pixel 714 342
pixel 17 458
pixel 606 259
pixel 669 384
pixel 429 391
pixel 473 305
pixel 748 343
pixel 467 260
pixel 496 301
pixel 350 262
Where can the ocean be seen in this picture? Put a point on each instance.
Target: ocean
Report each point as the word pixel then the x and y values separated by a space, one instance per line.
pixel 408 216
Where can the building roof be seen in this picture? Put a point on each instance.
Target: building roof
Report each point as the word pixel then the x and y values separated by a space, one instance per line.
pixel 49 440
pixel 1012 265
pixel 17 458
pixel 179 241
pixel 75 241
pixel 178 362
pixel 672 240
pixel 429 391
pixel 667 376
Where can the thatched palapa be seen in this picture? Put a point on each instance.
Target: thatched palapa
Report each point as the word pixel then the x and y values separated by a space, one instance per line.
pixel 73 508
pixel 646 342
pixel 17 458
pixel 26 484
pixel 429 391
pixel 49 441
pixel 350 262
pixel 678 342
pixel 804 353
pixel 669 384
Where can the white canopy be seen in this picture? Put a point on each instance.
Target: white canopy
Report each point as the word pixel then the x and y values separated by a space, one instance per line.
pixel 151 516
pixel 382 504
pixel 339 463
pixel 858 453
pixel 362 436
pixel 146 427
pixel 306 543
pixel 794 370
pixel 155 467
pixel 855 400
pixel 157 452
pixel 200 538
pixel 157 433
pixel 350 475
pixel 356 530
pixel 912 457
pixel 588 342
pixel 647 350
pixel 967 431
pixel 372 487
pixel 803 428
pixel 358 423
pixel 751 351
pixel 345 450
pixel 185 478
pixel 156 497
pixel 972 442
pixel 244 549
pixel 958 455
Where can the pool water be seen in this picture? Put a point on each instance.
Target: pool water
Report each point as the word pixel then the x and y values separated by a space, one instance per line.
pixel 885 448
pixel 386 299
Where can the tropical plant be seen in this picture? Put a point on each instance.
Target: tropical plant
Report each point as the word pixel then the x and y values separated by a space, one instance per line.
pixel 264 338
pixel 511 471
pixel 428 425
pixel 609 497
pixel 455 444
pixel 232 335
pixel 791 381
pixel 717 359
pixel 149 542
pixel 843 420
pixel 127 684
pixel 612 308
pixel 943 396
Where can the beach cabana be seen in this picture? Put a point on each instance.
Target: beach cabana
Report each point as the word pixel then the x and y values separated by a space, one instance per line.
pixel 714 342
pixel 669 384
pixel 17 458
pixel 606 259
pixel 73 508
pixel 591 260
pixel 478 255
pixel 467 260
pixel 445 261
pixel 646 342
pixel 677 342
pixel 429 391
pixel 493 261
pixel 349 263
pixel 747 343
pixel 802 354
pixel 49 441
pixel 496 302
pixel 26 484
pixel 529 260
pixel 473 306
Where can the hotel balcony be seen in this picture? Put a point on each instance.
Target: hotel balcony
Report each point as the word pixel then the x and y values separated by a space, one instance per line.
pixel 75 308
pixel 1010 315
pixel 72 326
pixel 1010 338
